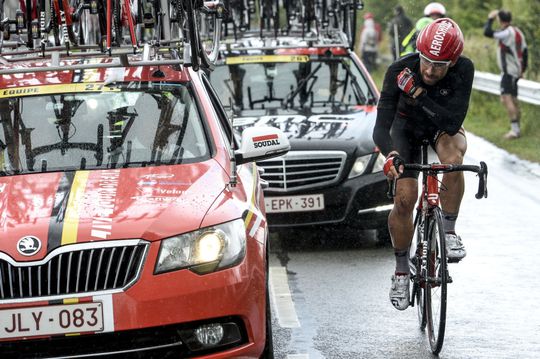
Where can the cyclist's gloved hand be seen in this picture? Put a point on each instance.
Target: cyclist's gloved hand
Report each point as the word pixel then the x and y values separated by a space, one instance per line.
pixel 408 81
pixel 389 170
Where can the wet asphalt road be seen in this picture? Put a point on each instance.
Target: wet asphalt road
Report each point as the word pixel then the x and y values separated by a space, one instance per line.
pixel 339 305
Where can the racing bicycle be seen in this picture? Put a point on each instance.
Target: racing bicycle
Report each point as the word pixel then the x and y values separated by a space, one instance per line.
pixel 427 253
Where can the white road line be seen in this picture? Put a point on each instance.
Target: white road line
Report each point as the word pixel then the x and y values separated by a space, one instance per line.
pixel 282 298
pixel 298 356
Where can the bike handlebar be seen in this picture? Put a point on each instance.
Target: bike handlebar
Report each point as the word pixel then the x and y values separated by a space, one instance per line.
pixel 435 168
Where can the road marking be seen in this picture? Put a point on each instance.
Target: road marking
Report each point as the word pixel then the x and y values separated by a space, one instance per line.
pixel 298 356
pixel 282 298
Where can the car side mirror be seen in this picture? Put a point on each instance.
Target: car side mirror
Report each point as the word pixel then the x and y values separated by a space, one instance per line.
pixel 260 143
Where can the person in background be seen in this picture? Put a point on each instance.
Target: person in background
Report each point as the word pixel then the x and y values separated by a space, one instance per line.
pixel 369 43
pixel 432 12
pixel 398 28
pixel 512 58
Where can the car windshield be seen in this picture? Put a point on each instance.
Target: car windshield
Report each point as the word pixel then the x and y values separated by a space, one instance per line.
pixel 292 82
pixel 94 126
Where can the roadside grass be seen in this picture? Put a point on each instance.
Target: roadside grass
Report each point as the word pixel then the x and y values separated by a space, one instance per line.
pixel 487 118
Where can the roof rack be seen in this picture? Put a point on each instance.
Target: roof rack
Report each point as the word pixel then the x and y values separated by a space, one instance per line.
pixel 292 40
pixel 94 30
pixel 121 57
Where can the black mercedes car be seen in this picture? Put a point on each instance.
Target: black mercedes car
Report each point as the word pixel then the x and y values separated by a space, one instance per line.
pixel 322 97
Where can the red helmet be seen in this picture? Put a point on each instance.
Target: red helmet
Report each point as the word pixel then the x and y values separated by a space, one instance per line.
pixel 442 40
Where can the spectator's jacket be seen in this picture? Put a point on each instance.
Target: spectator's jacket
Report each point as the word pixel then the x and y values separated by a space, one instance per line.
pixel 512 54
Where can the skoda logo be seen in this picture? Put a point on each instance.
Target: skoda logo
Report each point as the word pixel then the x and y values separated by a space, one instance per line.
pixel 29 245
pixel 444 92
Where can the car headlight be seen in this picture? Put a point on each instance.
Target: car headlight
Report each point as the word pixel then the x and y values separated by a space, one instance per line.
pixel 361 163
pixel 379 163
pixel 205 250
pixel 359 166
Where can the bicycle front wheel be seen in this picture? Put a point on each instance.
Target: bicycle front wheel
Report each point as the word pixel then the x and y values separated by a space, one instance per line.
pixel 415 267
pixel 435 288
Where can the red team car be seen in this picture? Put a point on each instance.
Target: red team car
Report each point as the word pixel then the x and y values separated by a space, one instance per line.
pixel 132 224
pixel 122 217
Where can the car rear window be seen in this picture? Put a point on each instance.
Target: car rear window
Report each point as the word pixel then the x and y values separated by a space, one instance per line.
pixel 87 126
pixel 323 83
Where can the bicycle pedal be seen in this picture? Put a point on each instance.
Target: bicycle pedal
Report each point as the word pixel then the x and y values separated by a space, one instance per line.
pixel 449 279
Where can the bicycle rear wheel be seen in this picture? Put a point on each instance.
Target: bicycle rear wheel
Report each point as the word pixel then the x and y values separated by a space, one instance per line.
pixel 435 289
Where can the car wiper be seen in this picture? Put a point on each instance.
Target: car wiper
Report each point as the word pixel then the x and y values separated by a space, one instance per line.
pixel 140 164
pixel 290 97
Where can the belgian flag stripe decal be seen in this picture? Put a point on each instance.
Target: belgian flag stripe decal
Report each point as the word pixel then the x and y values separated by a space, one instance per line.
pixel 71 219
pixel 58 211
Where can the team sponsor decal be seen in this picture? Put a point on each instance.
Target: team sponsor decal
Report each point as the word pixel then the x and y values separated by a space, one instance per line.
pixel 158 175
pixel 28 245
pixel 104 204
pixel 299 126
pixel 163 183
pixel 86 75
pixel 152 189
pixel 440 34
pixel 56 89
pixel 264 141
pixel 265 58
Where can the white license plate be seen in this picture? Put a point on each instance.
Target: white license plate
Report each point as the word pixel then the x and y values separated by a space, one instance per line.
pixel 51 320
pixel 313 202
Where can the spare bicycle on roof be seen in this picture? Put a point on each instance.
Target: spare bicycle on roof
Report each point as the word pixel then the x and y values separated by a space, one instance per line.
pixel 305 19
pixel 176 32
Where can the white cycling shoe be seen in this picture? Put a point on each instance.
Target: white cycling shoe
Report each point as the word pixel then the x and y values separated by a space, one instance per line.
pixel 399 292
pixel 455 251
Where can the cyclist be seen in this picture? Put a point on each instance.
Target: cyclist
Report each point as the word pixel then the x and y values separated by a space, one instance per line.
pixel 425 95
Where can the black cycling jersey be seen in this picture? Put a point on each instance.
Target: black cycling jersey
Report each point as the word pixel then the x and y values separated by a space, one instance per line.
pixel 442 107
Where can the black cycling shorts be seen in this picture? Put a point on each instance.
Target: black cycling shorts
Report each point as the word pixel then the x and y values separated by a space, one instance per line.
pixel 409 146
pixel 509 85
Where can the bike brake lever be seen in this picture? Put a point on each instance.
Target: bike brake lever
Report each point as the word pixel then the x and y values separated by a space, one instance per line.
pixel 397 161
pixel 482 181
